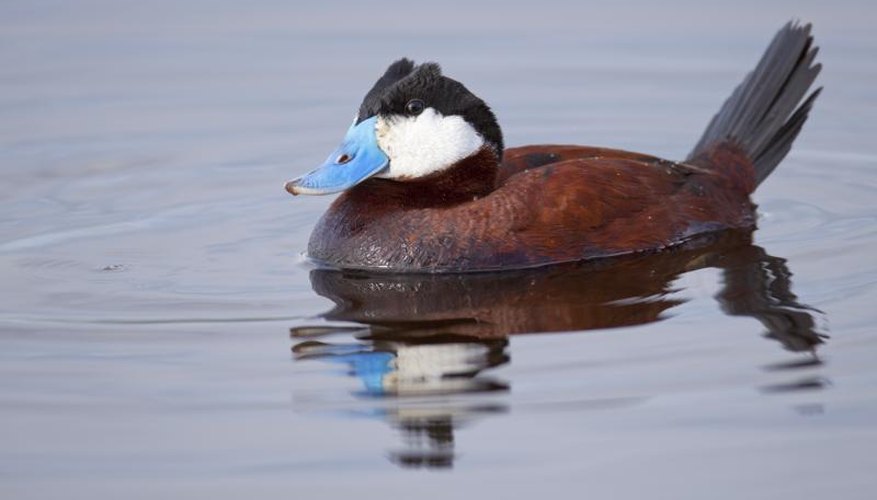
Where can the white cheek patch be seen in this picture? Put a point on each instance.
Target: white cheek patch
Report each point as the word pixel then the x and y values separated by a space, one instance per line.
pixel 424 144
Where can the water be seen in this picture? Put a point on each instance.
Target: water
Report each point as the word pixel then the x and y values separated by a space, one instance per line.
pixel 151 265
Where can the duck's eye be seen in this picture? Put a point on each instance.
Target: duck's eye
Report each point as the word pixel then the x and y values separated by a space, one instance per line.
pixel 414 107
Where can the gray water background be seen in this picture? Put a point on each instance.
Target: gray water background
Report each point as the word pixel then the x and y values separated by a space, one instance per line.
pixel 151 263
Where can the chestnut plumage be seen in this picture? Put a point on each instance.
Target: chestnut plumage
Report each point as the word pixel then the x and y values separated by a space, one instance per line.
pixel 537 205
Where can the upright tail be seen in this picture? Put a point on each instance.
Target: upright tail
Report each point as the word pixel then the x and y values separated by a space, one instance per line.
pixel 765 113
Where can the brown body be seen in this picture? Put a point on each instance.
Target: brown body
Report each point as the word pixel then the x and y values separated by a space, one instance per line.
pixel 542 205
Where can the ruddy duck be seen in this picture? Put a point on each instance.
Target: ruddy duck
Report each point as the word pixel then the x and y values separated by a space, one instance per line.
pixel 428 186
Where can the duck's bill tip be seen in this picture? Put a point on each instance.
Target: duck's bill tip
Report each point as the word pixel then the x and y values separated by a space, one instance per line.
pixel 296 187
pixel 291 188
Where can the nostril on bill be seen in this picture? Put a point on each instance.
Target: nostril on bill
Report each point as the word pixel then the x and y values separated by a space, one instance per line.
pixel 344 158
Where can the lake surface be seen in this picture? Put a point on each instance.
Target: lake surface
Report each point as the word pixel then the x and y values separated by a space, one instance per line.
pixel 163 336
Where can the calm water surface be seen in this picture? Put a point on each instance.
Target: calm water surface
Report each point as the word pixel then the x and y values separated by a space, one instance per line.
pixel 162 336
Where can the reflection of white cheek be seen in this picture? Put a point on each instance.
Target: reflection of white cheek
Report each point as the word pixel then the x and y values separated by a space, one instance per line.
pixel 425 144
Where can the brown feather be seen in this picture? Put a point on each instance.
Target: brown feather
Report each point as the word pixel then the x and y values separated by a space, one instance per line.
pixel 543 205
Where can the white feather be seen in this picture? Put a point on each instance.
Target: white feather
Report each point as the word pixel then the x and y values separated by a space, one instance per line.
pixel 424 144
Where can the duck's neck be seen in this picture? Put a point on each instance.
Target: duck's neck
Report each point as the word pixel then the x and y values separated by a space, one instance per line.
pixel 466 180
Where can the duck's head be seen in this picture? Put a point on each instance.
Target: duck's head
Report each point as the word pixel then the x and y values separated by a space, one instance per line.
pixel 414 123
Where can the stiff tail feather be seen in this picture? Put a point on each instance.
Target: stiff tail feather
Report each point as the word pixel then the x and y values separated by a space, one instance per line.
pixel 765 113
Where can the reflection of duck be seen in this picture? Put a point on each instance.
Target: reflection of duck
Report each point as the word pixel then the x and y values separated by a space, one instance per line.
pixel 416 369
pixel 601 294
pixel 429 187
pixel 437 334
pixel 436 366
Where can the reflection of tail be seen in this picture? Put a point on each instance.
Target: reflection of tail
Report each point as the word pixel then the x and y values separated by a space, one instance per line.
pixel 759 285
pixel 762 117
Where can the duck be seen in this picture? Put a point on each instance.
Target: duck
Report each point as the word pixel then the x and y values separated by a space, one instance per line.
pixel 427 185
